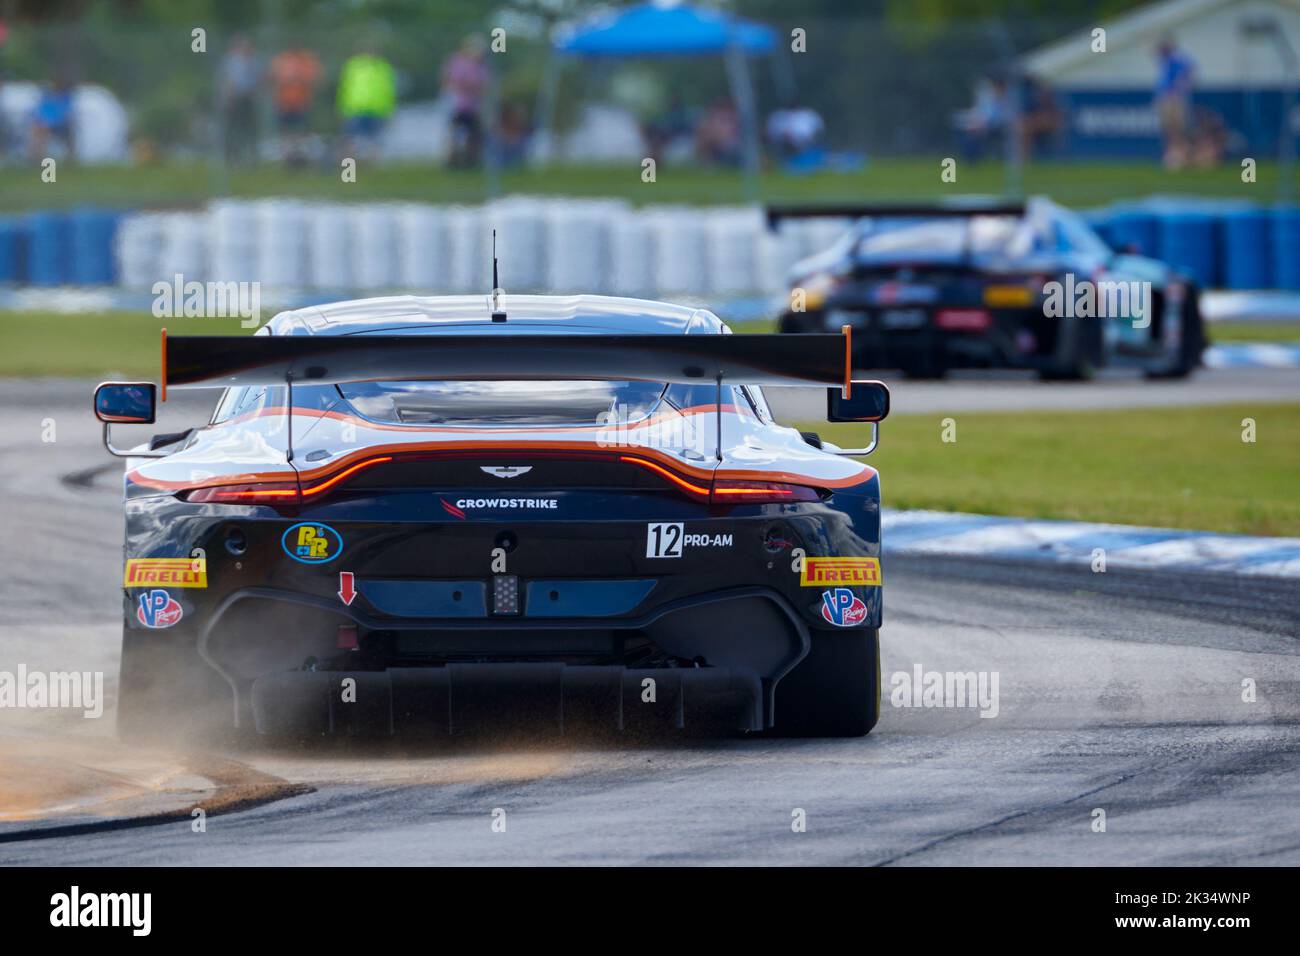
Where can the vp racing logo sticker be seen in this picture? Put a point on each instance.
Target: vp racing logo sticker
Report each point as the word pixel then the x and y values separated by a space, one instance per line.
pixel 157 608
pixel 843 608
pixel 312 543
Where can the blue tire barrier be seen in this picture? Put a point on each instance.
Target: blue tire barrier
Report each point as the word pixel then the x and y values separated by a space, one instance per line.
pixel 1187 242
pixel 92 261
pixel 48 248
pixel 13 242
pixel 1135 232
pixel 1100 223
pixel 1286 248
pixel 1247 249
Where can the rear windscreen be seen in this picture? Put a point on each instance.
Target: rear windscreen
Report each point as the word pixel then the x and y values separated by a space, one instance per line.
pixel 893 236
pixel 533 403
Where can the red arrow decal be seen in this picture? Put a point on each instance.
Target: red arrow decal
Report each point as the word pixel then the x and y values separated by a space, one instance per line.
pixel 347 592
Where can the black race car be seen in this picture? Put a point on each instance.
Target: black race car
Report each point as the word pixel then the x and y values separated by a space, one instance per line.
pixel 415 514
pixel 1026 285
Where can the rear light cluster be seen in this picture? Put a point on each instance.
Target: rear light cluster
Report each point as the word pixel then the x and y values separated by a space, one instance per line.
pixel 278 492
pixel 963 320
pixel 724 491
pixel 268 493
pixel 728 491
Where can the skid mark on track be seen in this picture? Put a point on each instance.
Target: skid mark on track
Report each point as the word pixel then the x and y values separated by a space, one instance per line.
pixel 1020 814
pixel 85 477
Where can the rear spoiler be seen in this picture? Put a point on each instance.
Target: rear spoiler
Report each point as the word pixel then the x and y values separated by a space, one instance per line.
pixel 221 361
pixel 776 214
pixel 218 361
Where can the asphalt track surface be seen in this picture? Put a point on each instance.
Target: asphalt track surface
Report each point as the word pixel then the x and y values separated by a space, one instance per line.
pixel 1119 692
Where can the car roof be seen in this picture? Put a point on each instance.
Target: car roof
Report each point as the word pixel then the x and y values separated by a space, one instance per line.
pixel 592 314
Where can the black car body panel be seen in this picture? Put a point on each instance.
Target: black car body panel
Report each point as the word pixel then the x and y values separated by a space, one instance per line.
pixel 446 568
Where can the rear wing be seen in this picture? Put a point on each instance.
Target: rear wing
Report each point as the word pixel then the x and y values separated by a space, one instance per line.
pixel 219 361
pixel 208 361
pixel 777 214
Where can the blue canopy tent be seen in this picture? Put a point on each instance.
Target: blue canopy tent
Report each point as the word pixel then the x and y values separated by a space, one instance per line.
pixel 652 30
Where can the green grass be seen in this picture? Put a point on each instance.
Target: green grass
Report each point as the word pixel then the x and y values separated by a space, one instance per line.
pixel 189 184
pixel 1169 467
pixel 95 345
pixel 1255 332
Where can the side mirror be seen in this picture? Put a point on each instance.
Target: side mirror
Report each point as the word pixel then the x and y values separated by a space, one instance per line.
pixel 128 403
pixel 867 402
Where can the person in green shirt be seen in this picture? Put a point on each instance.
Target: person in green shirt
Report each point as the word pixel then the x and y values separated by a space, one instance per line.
pixel 366 99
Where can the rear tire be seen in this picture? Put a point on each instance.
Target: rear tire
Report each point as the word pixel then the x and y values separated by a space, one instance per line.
pixel 1082 355
pixel 1192 345
pixel 835 690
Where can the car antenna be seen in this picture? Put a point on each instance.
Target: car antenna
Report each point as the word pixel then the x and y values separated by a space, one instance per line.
pixel 497 314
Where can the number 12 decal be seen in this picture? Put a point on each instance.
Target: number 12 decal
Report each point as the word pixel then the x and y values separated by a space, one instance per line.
pixel 664 540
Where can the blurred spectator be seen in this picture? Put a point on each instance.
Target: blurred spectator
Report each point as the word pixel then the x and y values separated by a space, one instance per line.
pixel 294 74
pixel 464 79
pixel 51 130
pixel 1041 120
pixel 1209 139
pixel 984 124
pixel 717 137
pixel 795 132
pixel 366 100
pixel 512 133
pixel 240 77
pixel 671 127
pixel 1175 72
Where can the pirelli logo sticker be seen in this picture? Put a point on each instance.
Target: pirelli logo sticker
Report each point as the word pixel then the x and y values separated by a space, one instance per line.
pixel 844 572
pixel 166 572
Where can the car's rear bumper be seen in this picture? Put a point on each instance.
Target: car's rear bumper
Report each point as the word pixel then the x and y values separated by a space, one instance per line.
pixel 405 586
pixel 434 672
pixel 458 698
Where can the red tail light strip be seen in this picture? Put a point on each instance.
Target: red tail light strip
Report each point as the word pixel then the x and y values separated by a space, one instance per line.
pixel 277 491
pixel 734 492
pixel 319 487
pixel 694 490
pixel 751 486
pixel 263 493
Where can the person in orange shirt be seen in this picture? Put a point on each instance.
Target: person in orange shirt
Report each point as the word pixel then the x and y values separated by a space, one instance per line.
pixel 294 74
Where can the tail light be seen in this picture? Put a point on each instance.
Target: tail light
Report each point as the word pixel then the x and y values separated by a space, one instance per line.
pixel 963 320
pixel 730 492
pixel 266 493
pixel 760 493
pixel 277 492
pixel 726 491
